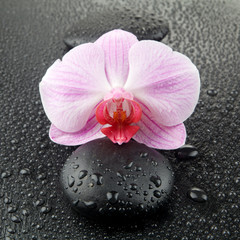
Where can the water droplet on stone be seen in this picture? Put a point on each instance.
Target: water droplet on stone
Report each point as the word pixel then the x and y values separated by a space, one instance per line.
pixel 133 186
pixel 156 180
pixel 157 194
pixel 82 174
pixel 90 204
pixel 129 165
pixel 138 169
pixel 71 181
pixel 129 194
pixel 90 28
pixel 112 197
pixel 97 178
pixel 75 189
pixel 79 183
pixel 75 166
pixel 143 155
pixel 197 195
pixel 186 152
pixel 150 186
pixel 141 206
pixel 119 174
pixel 118 184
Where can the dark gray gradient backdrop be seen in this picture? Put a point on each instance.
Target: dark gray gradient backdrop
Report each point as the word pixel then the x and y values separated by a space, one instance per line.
pixel 31 203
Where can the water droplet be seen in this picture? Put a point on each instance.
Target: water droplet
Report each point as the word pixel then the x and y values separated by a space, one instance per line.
pixel 7 200
pixel 98 178
pixel 119 183
pixel 150 186
pixel 119 174
pixel 46 209
pixel 71 181
pixel 25 171
pixel 90 204
pixel 76 166
pixel 143 155
pixel 186 152
pixel 42 176
pixel 10 230
pixel 129 194
pixel 75 189
pixel 229 107
pixel 25 212
pixel 157 194
pixel 39 202
pixel 129 165
pixel 82 174
pixel 197 195
pixel 112 197
pixel 133 186
pixel 12 209
pixel 79 183
pixel 145 193
pixel 212 92
pixel 156 180
pixel 234 93
pixel 5 174
pixel 154 163
pixel 15 219
pixel 141 206
pixel 138 169
pixel 237 179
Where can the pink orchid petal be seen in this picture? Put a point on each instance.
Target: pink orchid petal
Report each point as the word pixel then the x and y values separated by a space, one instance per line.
pixel 72 88
pixel 116 45
pixel 167 82
pixel 158 136
pixel 91 131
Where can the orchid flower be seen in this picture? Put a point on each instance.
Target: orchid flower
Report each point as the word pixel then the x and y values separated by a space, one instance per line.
pixel 121 88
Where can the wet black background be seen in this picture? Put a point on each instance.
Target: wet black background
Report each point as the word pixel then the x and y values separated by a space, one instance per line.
pixel 31 203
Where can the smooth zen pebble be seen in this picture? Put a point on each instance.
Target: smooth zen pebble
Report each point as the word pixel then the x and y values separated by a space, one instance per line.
pixel 116 181
pixel 143 25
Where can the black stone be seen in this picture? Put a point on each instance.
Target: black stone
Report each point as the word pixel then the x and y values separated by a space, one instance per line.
pixel 115 179
pixel 186 152
pixel 143 24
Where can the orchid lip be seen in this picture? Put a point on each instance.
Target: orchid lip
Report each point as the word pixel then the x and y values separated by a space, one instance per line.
pixel 121 114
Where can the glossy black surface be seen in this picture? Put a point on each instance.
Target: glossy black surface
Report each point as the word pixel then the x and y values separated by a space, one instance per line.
pixel 31 39
pixel 102 179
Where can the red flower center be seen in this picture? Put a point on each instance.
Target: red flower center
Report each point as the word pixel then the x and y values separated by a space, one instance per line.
pixel 120 113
